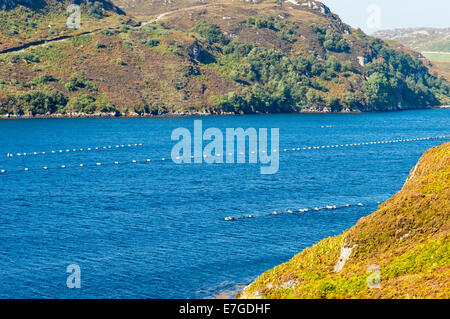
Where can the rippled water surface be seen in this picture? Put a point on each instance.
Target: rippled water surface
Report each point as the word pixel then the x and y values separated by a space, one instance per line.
pixel 157 230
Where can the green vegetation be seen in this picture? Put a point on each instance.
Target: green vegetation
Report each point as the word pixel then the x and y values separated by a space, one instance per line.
pixel 78 81
pixel 286 29
pixel 283 83
pixel 152 42
pixel 210 32
pixel 331 39
pixel 407 238
pixel 95 9
pixel 438 57
pixel 36 102
pixel 88 104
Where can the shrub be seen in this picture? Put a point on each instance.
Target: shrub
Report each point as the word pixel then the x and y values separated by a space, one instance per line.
pixel 42 79
pixel 152 42
pixel 42 102
pixel 120 61
pixel 26 56
pixel 78 81
pixel 95 9
pixel 88 104
pixel 210 32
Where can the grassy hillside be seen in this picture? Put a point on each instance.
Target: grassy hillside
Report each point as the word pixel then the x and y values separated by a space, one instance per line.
pixel 407 238
pixel 24 22
pixel 220 57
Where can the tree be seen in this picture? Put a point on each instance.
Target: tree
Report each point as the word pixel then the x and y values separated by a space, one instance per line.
pixel 377 90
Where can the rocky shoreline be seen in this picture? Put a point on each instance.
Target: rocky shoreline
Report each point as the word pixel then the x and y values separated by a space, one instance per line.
pixel 180 114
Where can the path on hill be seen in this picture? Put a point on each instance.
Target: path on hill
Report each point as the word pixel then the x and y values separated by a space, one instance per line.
pixel 39 43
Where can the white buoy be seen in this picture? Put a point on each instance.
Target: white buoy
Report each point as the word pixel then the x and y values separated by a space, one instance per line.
pixel 134 161
pixel 149 160
pixel 81 165
pixel 2 171
pixel 116 163
pixel 45 167
pixel 99 164
pixel 63 166
pixel 27 169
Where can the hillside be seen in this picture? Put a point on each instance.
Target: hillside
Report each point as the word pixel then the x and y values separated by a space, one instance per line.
pixel 433 43
pixel 23 22
pixel 202 57
pixel 406 241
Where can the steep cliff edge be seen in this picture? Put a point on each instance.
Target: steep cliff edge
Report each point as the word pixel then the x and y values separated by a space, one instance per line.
pixel 399 251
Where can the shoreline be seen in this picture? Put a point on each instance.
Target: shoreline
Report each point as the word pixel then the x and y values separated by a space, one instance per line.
pixel 185 115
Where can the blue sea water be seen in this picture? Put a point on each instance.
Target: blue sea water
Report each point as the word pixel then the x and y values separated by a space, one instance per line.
pixel 157 230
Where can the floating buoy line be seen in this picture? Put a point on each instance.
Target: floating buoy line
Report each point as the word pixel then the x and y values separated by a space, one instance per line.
pixel 296 149
pixel 296 211
pixel 47 168
pixel 73 150
pixel 164 159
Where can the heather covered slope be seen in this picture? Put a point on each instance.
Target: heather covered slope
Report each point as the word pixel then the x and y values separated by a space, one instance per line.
pixel 407 238
pixel 208 57
pixel 25 21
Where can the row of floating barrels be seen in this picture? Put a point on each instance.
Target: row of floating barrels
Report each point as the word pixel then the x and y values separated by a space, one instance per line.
pixel 366 143
pixel 26 169
pixel 304 210
pixel 73 150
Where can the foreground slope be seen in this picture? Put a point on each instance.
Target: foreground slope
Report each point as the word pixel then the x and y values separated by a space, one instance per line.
pixel 406 239
pixel 207 57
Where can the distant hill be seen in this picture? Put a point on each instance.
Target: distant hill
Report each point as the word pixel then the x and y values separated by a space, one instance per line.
pixel 400 251
pixel 419 39
pixel 433 43
pixel 202 57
